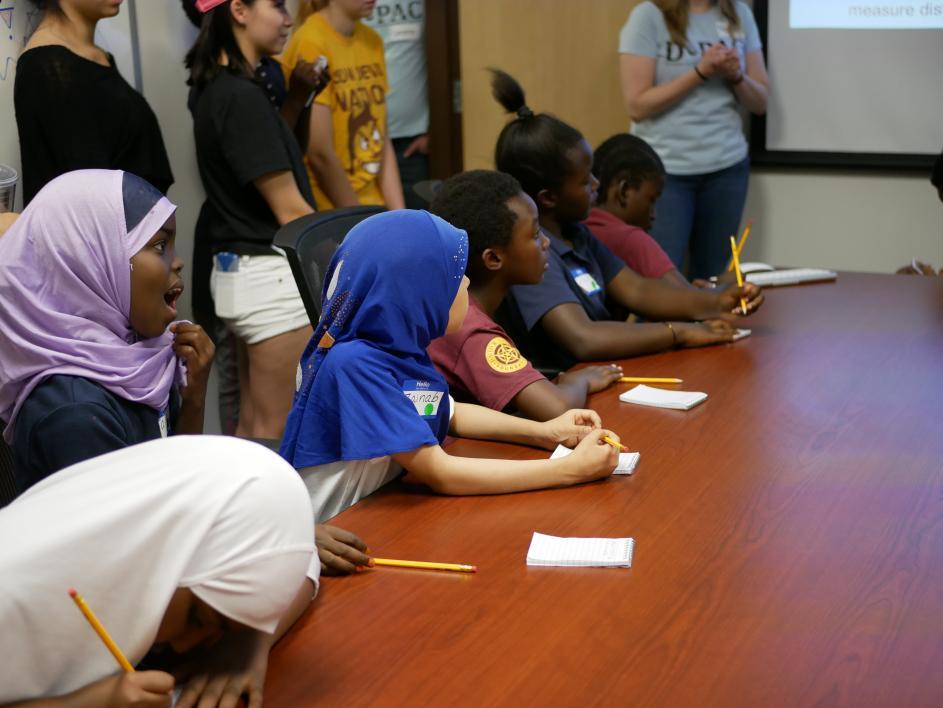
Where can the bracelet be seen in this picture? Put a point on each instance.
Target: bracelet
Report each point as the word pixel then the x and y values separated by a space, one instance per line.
pixel 737 80
pixel 674 335
pixel 698 72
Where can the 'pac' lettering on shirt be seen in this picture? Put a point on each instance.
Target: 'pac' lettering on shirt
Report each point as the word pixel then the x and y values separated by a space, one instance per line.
pixel 391 13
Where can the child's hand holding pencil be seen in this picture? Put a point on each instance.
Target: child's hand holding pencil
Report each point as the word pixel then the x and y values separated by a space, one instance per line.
pixel 595 457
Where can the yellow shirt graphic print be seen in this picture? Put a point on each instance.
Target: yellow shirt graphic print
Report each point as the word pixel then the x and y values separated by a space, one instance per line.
pixel 365 147
pixel 355 95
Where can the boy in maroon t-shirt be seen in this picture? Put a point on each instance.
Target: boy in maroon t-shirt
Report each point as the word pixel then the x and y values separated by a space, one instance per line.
pixel 506 247
pixel 631 177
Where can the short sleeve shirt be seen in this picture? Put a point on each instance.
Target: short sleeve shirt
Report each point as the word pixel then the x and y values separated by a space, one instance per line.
pixel 240 136
pixel 75 114
pixel 576 274
pixel 401 26
pixel 68 419
pixel 355 95
pixel 480 362
pixel 637 249
pixel 703 132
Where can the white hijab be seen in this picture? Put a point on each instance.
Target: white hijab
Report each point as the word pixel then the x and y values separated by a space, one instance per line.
pixel 224 517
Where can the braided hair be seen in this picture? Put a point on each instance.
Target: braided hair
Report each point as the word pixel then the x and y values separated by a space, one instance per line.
pixel 625 157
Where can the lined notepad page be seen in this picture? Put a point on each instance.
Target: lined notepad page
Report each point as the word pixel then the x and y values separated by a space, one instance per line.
pixel 580 552
pixel 627 460
pixel 662 398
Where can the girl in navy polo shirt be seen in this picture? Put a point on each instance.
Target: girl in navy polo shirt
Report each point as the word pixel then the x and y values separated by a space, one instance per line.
pixel 370 402
pixel 568 317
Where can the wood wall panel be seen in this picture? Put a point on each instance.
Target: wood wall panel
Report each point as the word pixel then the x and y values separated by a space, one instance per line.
pixel 564 53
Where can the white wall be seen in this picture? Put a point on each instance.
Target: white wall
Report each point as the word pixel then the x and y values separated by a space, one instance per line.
pixel 849 221
pixel 164 36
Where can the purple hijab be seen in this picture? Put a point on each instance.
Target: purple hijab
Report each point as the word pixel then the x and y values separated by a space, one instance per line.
pixel 65 291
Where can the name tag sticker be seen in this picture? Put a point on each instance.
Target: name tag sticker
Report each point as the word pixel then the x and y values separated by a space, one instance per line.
pixel 408 32
pixel 586 281
pixel 162 423
pixel 425 399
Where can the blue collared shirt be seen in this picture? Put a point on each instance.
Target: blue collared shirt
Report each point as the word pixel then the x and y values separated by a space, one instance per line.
pixel 576 274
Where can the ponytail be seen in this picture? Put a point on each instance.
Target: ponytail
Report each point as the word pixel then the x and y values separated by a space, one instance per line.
pixel 532 147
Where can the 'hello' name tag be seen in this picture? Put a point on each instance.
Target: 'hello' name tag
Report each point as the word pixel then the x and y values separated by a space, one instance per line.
pixel 424 398
pixel 586 281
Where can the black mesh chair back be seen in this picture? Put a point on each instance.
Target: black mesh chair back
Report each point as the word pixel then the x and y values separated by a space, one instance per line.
pixel 310 242
pixel 7 478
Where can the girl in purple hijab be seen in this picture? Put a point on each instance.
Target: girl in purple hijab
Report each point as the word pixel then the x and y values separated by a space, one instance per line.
pixel 89 283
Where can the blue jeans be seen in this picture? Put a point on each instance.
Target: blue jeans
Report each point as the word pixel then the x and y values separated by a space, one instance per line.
pixel 412 169
pixel 699 213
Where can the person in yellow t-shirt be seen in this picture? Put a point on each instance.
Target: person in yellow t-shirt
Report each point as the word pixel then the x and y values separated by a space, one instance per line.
pixel 349 156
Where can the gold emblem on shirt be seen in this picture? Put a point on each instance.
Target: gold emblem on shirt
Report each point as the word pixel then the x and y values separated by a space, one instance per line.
pixel 503 356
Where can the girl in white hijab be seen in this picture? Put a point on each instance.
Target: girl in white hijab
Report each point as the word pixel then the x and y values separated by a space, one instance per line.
pixel 172 542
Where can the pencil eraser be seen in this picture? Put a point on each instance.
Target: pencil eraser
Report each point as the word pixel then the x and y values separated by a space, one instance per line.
pixel 474 569
pixel 73 592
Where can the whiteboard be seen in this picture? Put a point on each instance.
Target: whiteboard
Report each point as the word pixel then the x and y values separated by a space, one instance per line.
pixel 18 19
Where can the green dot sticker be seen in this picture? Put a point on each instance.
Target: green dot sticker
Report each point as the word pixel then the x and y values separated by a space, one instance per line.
pixel 430 409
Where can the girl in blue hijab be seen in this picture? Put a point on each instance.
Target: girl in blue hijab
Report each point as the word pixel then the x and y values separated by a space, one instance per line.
pixel 369 401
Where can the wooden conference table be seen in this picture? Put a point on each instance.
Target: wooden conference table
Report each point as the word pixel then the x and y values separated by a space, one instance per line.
pixel 789 540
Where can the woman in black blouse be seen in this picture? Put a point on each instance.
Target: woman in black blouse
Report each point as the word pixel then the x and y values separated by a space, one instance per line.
pixel 74 110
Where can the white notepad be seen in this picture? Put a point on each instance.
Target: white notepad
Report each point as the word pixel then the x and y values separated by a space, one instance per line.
pixel 583 552
pixel 741 333
pixel 627 460
pixel 661 398
pixel 790 276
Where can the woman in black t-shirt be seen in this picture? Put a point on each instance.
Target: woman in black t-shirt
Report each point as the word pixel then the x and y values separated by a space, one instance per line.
pixel 74 110
pixel 255 181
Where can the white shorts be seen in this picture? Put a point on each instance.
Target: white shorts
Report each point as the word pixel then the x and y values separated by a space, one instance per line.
pixel 259 299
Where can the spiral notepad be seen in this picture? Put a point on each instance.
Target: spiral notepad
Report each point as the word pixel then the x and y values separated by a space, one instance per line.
pixel 627 460
pixel 660 398
pixel 580 552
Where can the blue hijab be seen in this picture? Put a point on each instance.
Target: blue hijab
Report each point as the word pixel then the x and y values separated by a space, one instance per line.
pixel 367 387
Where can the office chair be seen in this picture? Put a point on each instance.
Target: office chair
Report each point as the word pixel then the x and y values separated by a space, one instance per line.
pixel 310 242
pixel 7 479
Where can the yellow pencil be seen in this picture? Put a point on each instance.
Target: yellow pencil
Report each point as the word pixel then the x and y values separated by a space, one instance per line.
pixel 617 446
pixel 101 631
pixel 648 379
pixel 461 568
pixel 736 267
pixel 741 242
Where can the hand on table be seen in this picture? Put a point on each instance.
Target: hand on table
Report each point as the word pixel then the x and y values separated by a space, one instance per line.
pixel 226 671
pixel 341 552
pixel 702 334
pixel 597 377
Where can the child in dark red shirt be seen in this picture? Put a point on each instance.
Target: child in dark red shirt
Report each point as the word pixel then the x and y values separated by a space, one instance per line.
pixel 506 247
pixel 631 177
